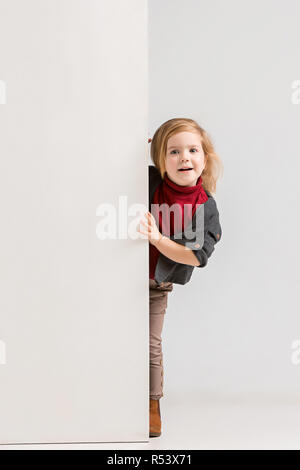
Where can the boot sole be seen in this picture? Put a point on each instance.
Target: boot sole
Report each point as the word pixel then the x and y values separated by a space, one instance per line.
pixel 154 434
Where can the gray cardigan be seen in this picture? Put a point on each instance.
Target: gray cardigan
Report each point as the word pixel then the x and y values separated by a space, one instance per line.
pixel 200 237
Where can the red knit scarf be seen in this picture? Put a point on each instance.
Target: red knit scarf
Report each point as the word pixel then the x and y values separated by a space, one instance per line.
pixel 170 193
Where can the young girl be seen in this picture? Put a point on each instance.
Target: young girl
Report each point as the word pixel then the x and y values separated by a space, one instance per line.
pixel 184 175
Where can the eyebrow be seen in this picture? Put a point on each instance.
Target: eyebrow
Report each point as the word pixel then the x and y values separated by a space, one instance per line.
pixel 178 146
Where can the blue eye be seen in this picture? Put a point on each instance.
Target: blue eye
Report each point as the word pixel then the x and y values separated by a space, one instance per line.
pixel 177 150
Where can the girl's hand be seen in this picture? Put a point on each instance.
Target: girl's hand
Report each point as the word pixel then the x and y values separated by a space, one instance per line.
pixel 151 229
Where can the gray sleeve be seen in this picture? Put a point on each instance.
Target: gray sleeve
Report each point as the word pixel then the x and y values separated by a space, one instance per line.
pixel 212 234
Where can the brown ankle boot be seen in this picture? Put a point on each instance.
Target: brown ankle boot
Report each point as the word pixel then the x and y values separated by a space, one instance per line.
pixel 155 418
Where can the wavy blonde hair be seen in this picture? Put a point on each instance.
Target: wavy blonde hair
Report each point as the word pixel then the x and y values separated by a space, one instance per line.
pixel 214 166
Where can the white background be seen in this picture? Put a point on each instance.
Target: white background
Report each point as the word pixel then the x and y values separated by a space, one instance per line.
pixel 228 334
pixel 230 66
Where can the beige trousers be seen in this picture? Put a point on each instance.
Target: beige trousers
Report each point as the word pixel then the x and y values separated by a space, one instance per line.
pixel 158 300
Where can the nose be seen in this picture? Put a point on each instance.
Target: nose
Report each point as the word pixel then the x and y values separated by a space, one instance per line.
pixel 185 158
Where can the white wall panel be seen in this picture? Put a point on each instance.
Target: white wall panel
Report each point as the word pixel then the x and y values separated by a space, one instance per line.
pixel 73 135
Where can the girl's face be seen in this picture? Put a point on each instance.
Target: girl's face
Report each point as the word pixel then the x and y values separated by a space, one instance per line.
pixel 184 149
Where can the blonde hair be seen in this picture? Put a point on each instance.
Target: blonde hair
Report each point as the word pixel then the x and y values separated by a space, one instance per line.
pixel 214 166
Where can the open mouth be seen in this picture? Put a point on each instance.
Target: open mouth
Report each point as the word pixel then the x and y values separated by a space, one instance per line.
pixel 185 169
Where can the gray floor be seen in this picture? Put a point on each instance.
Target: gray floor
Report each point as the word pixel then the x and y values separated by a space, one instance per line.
pixel 207 421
